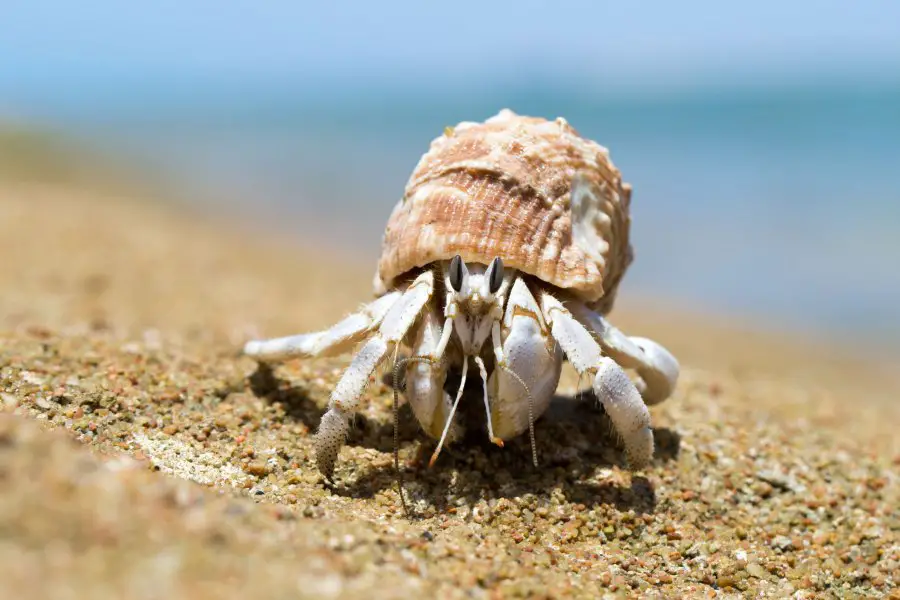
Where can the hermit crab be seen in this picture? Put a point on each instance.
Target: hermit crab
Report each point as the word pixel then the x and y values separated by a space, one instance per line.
pixel 506 250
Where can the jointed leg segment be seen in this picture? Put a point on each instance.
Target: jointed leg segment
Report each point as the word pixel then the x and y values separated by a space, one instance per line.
pixel 449 421
pixel 611 384
pixel 526 373
pixel 386 321
pixel 335 424
pixel 657 369
pixel 425 379
pixel 336 340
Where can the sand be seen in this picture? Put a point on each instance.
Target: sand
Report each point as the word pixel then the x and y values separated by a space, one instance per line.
pixel 142 457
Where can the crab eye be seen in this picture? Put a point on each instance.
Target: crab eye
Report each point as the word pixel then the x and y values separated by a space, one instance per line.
pixel 496 275
pixel 456 273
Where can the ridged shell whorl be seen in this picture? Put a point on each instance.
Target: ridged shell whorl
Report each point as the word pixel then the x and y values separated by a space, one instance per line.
pixel 502 188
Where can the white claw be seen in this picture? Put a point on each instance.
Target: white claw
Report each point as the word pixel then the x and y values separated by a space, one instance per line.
pixel 527 373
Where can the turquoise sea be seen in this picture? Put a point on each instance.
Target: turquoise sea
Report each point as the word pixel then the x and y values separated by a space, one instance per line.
pixel 774 203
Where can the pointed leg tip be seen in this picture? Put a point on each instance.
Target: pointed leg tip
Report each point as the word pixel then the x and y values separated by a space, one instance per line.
pixel 327 473
pixel 638 463
pixel 639 459
pixel 497 441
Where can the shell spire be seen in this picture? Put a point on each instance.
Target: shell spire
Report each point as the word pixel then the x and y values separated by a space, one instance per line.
pixel 549 202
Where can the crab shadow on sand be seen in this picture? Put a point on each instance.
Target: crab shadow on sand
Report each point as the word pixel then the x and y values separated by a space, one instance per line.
pixel 298 405
pixel 574 439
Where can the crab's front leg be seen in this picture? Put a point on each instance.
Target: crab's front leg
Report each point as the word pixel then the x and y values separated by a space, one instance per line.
pixel 613 388
pixel 338 339
pixel 657 369
pixel 335 423
pixel 426 374
pixel 528 366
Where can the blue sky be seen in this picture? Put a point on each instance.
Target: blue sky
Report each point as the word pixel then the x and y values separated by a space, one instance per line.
pixel 651 42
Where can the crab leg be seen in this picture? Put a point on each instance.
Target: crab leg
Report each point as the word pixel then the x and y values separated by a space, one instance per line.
pixel 657 368
pixel 335 423
pixel 523 384
pixel 425 380
pixel 338 339
pixel 459 393
pixel 619 396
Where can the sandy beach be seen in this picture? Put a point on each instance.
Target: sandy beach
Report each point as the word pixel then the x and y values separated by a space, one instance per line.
pixel 142 457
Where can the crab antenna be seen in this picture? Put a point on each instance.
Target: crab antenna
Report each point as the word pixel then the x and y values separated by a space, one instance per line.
pixel 487 404
pixel 395 383
pixel 462 385
pixel 530 413
pixel 395 379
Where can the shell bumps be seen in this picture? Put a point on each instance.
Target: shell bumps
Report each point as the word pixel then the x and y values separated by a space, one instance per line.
pixel 502 188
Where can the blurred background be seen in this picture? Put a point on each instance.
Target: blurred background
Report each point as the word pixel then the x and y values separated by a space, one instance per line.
pixel 762 139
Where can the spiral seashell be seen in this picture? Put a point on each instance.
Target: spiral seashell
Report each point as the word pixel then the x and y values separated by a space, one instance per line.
pixel 504 188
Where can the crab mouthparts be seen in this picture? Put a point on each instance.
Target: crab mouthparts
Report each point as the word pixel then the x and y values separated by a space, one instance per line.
pixel 476 304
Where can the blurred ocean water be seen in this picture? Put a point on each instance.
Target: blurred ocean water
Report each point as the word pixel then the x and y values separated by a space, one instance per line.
pixel 776 203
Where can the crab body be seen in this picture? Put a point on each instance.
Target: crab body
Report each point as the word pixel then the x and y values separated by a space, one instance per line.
pixel 506 251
